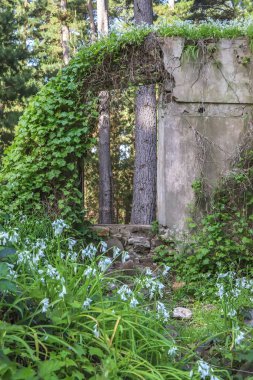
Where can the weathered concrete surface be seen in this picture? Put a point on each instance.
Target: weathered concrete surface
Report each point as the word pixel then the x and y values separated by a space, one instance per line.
pixel 205 113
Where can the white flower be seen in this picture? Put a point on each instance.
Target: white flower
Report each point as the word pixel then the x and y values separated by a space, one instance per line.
pixel 172 351
pixel 125 256
pixel 45 305
pixel 220 292
pixel 149 272
pixel 96 331
pixel 125 292
pixel 104 263
pixel 73 256
pixel 235 292
pixel 89 271
pixel 52 272
pixel 133 302
pixel 90 251
pixel 204 369
pixel 58 226
pixel 8 237
pixel 166 270
pixel 87 303
pixel 63 292
pixel 161 311
pixel 103 246
pixel 13 236
pixel 4 237
pixel 12 273
pixel 23 257
pixel 71 243
pixel 115 252
pixel 223 275
pixel 239 336
pixel 232 313
pixel 41 244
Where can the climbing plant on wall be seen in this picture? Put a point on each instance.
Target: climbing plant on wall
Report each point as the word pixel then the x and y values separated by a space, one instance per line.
pixel 40 169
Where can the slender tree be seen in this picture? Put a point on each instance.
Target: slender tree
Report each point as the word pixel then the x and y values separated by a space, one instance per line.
pixel 105 167
pixel 171 4
pixel 145 167
pixel 64 32
pixel 93 27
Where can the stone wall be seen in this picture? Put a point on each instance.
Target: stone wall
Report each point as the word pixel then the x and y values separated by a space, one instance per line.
pixel 205 115
pixel 138 240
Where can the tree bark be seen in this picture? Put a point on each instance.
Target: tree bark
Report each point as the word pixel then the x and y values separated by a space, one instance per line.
pixel 92 21
pixel 105 167
pixel 145 166
pixel 171 4
pixel 64 33
pixel 102 17
pixel 143 12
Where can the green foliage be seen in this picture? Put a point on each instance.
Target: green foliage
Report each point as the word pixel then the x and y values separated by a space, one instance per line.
pixel 14 72
pixel 63 315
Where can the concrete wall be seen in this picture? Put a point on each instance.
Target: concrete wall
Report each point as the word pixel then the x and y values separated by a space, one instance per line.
pixel 205 113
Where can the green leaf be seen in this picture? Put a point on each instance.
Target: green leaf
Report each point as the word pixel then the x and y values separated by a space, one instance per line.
pixel 49 367
pixel 8 251
pixel 8 286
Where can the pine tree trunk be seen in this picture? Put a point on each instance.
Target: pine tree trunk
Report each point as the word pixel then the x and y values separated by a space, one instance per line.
pixel 64 33
pixel 144 193
pixel 102 17
pixel 171 4
pixel 105 167
pixel 92 21
pixel 105 171
pixel 145 166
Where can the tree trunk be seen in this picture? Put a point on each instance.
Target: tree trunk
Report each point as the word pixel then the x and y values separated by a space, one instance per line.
pixel 92 21
pixel 105 167
pixel 144 193
pixel 105 171
pixel 64 33
pixel 171 4
pixel 102 17
pixel 145 166
pixel 143 12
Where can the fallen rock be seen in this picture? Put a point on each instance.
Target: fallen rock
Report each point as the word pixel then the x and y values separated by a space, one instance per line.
pixel 140 244
pixel 101 231
pixel 178 285
pixel 248 317
pixel 114 242
pixel 182 313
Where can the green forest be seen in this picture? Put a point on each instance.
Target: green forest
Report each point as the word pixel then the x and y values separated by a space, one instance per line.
pixel 92 284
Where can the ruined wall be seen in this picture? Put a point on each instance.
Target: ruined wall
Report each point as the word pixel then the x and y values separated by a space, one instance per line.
pixel 205 115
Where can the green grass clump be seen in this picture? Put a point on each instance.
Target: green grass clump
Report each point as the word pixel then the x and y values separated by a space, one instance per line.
pixel 66 315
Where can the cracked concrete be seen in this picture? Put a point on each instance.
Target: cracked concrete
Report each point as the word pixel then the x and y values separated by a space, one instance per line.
pixel 206 108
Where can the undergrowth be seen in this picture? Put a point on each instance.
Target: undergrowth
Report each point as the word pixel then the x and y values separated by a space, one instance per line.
pixel 67 313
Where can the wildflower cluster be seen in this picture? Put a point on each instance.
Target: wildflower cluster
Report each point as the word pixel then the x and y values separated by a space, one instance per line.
pixel 230 288
pixel 9 237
